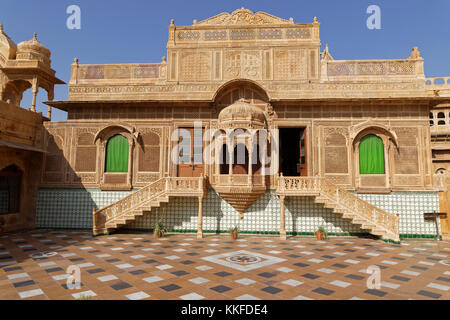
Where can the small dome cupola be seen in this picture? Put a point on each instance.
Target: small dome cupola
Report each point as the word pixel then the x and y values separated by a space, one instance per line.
pixel 242 114
pixel 7 47
pixel 33 50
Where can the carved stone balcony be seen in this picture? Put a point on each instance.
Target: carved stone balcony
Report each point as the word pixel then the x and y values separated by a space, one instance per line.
pixel 239 190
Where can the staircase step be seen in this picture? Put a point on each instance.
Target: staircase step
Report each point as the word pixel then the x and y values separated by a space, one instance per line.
pixel 120 221
pixel 357 220
pixel 163 199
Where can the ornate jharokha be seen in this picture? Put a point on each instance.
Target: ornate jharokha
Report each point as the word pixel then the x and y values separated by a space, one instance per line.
pixel 248 113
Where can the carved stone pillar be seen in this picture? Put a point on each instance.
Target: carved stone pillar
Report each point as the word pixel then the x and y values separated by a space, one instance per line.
pixel 250 161
pixel 50 97
pixel 282 219
pixel 33 103
pixel 200 218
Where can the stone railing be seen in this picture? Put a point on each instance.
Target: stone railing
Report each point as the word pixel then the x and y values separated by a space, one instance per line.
pixel 341 198
pixel 86 73
pixel 359 207
pixel 259 32
pixel 239 180
pixel 185 186
pixel 437 83
pixel 386 69
pixel 162 187
pixel 299 185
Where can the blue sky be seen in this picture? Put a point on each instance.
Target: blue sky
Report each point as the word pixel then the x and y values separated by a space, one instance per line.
pixel 117 31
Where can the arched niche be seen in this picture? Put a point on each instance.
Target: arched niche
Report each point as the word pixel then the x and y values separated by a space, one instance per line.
pixel 374 182
pixel 234 90
pixel 115 180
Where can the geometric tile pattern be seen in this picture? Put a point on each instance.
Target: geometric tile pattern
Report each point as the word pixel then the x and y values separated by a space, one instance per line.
pixel 72 208
pixel 410 205
pixel 120 266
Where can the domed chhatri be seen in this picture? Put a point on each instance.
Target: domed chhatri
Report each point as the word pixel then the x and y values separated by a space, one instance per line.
pixel 33 50
pixel 7 47
pixel 242 114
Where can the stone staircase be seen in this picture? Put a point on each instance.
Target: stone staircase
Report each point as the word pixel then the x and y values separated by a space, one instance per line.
pixel 349 206
pixel 125 210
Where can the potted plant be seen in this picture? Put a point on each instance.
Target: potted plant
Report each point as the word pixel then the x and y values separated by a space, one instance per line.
pixel 2 223
pixel 321 233
pixel 159 230
pixel 234 232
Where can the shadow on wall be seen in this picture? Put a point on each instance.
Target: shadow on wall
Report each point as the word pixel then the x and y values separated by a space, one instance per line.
pixel 304 216
pixel 59 207
pixel 181 215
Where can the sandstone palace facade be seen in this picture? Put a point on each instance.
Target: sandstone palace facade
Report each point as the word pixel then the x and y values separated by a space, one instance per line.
pixel 358 146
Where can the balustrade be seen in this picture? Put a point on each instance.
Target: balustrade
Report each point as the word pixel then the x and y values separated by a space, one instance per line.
pixel 340 197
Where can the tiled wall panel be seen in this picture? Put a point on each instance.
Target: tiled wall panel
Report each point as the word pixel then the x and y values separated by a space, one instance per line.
pixel 410 205
pixel 72 208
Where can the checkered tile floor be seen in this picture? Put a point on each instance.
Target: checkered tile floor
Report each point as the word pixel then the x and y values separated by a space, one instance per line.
pixel 33 265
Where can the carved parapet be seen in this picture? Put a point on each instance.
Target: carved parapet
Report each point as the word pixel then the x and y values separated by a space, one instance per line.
pixel 383 70
pixel 439 86
pixel 119 73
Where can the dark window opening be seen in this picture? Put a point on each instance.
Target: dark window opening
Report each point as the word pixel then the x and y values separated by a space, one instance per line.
pixel 292 151
pixel 224 160
pixel 10 185
pixel 240 159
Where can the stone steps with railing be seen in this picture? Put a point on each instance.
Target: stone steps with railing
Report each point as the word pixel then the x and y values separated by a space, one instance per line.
pixel 125 210
pixel 349 206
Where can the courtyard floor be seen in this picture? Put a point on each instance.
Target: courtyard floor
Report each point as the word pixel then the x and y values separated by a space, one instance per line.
pixel 137 266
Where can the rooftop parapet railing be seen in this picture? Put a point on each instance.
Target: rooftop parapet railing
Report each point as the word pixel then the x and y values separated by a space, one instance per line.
pixel 384 69
pixel 437 83
pixel 140 72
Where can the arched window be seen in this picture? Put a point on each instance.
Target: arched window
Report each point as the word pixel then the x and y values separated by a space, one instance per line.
pixel 371 155
pixel 117 154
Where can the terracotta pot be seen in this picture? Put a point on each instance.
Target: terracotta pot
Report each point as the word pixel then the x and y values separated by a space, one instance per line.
pixel 234 235
pixel 319 235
